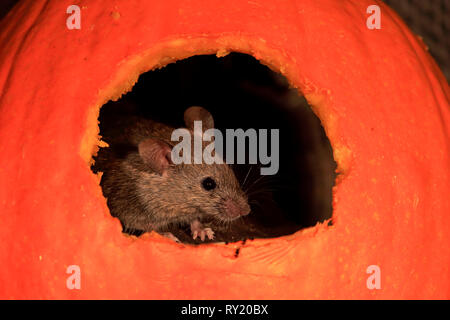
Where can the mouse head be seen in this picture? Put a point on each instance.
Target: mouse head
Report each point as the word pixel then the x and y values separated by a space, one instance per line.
pixel 209 189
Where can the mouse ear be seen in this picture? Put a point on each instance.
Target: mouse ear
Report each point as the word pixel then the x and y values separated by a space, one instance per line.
pixel 198 114
pixel 156 154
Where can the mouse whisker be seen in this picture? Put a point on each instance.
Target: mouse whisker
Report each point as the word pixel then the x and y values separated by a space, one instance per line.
pixel 266 183
pixel 248 172
pixel 254 183
pixel 255 202
pixel 258 183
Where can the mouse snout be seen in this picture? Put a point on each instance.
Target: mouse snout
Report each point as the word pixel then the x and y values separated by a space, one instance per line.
pixel 235 209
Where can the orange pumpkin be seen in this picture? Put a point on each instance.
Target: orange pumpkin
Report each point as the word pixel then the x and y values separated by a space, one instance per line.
pixel 381 98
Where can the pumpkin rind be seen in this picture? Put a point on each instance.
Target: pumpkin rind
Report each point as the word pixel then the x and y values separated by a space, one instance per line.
pixel 381 98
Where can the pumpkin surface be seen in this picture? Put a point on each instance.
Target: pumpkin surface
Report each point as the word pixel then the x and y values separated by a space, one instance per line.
pixel 381 98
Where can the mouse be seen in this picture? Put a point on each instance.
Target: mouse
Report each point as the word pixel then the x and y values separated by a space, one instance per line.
pixel 146 191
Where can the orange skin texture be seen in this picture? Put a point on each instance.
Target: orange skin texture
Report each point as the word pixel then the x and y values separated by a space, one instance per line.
pixel 381 98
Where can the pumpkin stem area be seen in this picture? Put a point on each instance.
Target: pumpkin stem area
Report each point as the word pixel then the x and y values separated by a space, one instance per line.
pixel 240 93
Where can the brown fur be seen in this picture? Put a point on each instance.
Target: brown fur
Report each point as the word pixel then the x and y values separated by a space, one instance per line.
pixel 144 200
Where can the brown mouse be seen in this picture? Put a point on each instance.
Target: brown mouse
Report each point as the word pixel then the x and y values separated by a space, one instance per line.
pixel 146 191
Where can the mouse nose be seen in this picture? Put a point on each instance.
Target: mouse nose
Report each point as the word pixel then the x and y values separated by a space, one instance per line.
pixel 235 209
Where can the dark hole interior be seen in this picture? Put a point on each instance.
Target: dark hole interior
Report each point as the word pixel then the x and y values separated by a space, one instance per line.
pixel 242 93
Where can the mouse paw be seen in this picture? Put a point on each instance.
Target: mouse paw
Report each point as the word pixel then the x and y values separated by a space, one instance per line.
pixel 205 232
pixel 198 231
pixel 170 236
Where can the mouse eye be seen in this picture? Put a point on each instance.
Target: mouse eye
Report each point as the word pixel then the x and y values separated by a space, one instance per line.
pixel 208 184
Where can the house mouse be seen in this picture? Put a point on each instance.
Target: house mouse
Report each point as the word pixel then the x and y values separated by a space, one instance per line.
pixel 147 191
